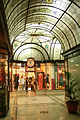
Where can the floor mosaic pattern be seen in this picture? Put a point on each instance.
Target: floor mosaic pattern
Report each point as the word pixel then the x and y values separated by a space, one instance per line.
pixel 49 106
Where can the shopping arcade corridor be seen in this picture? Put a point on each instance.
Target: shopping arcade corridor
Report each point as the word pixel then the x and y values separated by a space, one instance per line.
pixel 31 18
pixel 45 105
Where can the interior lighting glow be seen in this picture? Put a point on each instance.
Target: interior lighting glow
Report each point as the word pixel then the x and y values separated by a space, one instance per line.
pixel 72 60
pixel 60 71
pixel 24 59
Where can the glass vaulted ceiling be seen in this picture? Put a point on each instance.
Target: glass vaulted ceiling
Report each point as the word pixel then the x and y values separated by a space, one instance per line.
pixel 37 26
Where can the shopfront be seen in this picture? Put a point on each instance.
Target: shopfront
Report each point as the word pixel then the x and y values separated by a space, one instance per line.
pixel 4 83
pixel 49 76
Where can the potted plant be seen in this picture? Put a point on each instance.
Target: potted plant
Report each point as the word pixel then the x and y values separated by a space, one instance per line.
pixel 72 103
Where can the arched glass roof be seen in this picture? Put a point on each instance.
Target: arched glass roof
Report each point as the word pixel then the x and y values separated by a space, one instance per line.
pixel 36 25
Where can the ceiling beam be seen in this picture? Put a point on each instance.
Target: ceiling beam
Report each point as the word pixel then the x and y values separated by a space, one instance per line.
pixel 58 36
pixel 26 14
pixel 53 36
pixel 61 17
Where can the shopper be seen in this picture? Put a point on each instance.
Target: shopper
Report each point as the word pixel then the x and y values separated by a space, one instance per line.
pixel 26 84
pixel 22 83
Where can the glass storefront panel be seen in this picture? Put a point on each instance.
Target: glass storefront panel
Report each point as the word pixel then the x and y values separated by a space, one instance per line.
pixel 18 72
pixel 74 69
pixel 47 76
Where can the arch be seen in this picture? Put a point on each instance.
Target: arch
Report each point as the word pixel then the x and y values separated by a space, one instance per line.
pixel 35 44
pixel 32 48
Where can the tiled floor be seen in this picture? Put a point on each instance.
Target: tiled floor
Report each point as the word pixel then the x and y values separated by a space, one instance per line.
pixel 49 105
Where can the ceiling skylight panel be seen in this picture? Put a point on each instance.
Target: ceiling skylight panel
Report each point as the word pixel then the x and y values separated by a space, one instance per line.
pixel 22 47
pixel 44 39
pixel 16 44
pixel 16 19
pixel 55 12
pixel 14 27
pixel 51 19
pixel 19 37
pixel 77 2
pixel 16 33
pixel 62 4
pixel 23 39
pixel 68 32
pixel 70 22
pixel 47 24
pixel 5 2
pixel 75 12
pixel 61 35
pixel 17 10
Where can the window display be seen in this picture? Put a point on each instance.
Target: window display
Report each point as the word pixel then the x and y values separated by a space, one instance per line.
pixel 4 100
pixel 18 72
pixel 61 77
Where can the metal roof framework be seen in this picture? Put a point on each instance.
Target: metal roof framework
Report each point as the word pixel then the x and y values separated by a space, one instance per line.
pixel 37 25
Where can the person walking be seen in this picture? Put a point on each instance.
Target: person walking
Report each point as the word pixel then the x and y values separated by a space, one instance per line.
pixel 22 83
pixel 26 84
